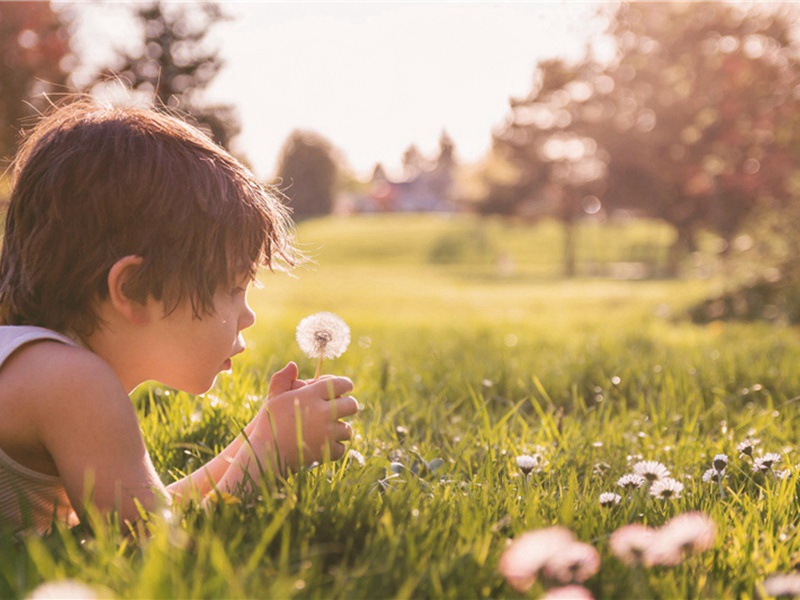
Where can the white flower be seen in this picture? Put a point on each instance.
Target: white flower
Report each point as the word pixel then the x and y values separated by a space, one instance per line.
pixel 746 447
pixel 631 481
pixel 323 335
pixel 651 470
pixel 570 592
pixel 783 586
pixel 631 543
pixel 688 532
pixel 575 562
pixel 356 456
pixel 527 555
pixel 527 463
pixel 65 588
pixel 712 475
pixel 766 462
pixel 609 499
pixel 666 488
pixel 720 462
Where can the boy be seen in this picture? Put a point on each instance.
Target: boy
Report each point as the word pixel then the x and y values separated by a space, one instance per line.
pixel 130 241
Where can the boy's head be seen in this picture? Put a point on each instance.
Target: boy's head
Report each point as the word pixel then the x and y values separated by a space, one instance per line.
pixel 94 185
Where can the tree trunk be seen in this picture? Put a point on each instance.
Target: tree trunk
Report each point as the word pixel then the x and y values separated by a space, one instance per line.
pixel 683 244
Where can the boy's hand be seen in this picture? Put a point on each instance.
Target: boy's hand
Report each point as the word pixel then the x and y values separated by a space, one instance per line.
pixel 319 405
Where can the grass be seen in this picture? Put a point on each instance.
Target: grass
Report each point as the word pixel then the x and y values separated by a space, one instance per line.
pixel 467 347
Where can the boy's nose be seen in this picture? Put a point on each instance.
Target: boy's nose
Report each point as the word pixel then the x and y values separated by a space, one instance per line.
pixel 248 317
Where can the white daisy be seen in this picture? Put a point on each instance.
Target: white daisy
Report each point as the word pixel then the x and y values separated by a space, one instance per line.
pixel 527 555
pixel 652 470
pixel 527 463
pixel 766 462
pixel 666 489
pixel 720 462
pixel 712 475
pixel 574 563
pixel 631 481
pixel 631 543
pixel 783 586
pixel 356 457
pixel 746 447
pixel 609 499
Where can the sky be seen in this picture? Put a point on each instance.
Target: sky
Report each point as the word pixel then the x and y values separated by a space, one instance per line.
pixel 371 77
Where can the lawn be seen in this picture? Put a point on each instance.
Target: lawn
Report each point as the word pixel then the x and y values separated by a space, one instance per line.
pixel 469 349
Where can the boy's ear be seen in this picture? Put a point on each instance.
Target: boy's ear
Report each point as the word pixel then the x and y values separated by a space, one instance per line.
pixel 119 275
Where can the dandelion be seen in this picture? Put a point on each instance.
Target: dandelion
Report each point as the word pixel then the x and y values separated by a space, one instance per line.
pixel 631 543
pixel 631 481
pixel 783 586
pixel 746 447
pixel 323 335
pixel 666 489
pixel 651 470
pixel 527 463
pixel 609 499
pixel 569 592
pixel 720 462
pixel 575 562
pixel 527 555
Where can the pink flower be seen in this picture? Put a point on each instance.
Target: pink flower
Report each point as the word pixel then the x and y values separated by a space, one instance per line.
pixel 689 532
pixel 631 543
pixel 527 555
pixel 573 563
pixel 570 592
pixel 783 586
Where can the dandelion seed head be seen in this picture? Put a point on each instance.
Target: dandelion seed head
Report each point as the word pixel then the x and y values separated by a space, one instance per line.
pixel 609 499
pixel 573 563
pixel 651 470
pixel 631 481
pixel 323 335
pixel 666 489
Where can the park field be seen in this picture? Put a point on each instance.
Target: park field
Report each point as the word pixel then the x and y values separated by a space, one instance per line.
pixel 469 349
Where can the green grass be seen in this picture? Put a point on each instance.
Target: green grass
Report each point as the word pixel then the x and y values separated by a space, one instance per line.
pixel 477 364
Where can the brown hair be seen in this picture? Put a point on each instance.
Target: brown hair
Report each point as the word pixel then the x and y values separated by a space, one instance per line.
pixel 93 185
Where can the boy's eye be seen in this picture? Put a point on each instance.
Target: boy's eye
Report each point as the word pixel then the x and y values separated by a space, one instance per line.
pixel 237 290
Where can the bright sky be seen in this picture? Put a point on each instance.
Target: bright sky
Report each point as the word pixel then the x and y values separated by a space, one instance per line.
pixel 374 78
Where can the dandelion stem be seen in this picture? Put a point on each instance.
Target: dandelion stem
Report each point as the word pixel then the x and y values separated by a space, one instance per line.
pixel 319 367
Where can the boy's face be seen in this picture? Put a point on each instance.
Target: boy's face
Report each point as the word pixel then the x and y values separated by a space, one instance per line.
pixel 192 351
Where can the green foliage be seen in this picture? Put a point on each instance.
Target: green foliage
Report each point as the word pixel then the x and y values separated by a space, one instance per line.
pixel 473 371
pixel 307 174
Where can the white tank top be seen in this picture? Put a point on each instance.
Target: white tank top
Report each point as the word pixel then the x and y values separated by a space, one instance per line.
pixel 29 498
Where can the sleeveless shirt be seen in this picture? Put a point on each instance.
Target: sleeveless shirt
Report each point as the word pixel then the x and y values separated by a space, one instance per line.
pixel 27 497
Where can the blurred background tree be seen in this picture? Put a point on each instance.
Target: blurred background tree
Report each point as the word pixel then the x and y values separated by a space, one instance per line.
pixel 307 174
pixel 36 59
pixel 175 64
pixel 693 122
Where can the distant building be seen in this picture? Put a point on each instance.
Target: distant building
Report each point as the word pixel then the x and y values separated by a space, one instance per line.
pixel 425 187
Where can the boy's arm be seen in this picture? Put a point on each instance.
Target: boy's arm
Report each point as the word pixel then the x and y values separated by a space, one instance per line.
pixel 85 420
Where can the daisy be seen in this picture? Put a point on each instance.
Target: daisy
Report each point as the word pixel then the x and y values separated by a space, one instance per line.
pixel 691 531
pixel 323 335
pixel 527 555
pixel 527 463
pixel 65 588
pixel 356 457
pixel 651 470
pixel 746 447
pixel 766 462
pixel 609 499
pixel 712 475
pixel 569 592
pixel 631 543
pixel 720 462
pixel 666 488
pixel 783 586
pixel 631 481
pixel 575 562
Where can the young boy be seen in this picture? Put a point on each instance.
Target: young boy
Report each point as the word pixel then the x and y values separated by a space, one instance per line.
pixel 130 241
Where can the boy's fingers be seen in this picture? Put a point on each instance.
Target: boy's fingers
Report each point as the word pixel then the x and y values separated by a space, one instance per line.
pixel 345 406
pixel 342 431
pixel 332 387
pixel 282 381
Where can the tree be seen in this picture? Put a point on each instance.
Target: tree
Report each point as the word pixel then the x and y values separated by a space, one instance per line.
pixel 175 65
pixel 307 174
pixel 688 124
pixel 34 44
